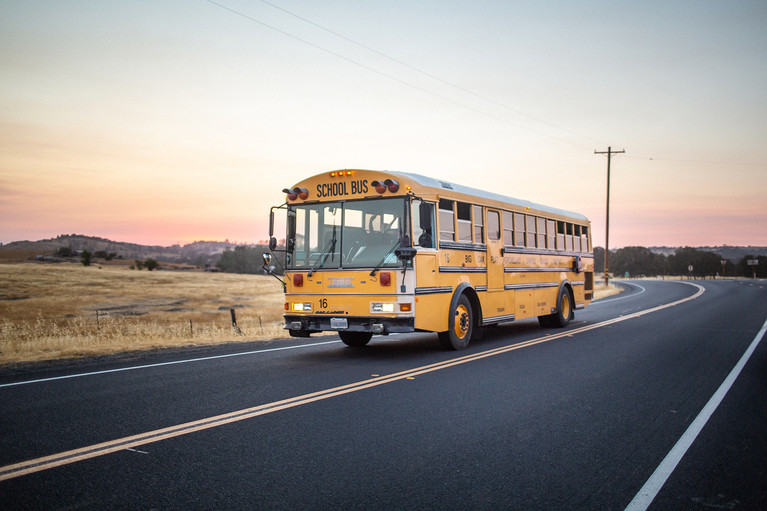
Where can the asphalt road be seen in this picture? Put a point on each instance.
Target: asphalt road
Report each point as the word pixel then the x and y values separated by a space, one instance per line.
pixel 580 418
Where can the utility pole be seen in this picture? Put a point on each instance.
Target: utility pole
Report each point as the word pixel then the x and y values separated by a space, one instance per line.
pixel 609 154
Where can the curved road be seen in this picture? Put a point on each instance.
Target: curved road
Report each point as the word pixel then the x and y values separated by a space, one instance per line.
pixel 655 399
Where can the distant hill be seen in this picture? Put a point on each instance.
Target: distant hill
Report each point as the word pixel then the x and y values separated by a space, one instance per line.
pixel 208 252
pixel 199 252
pixel 731 253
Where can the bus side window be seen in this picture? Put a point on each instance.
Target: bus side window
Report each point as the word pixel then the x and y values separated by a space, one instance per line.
pixel 541 229
pixel 585 239
pixel 560 235
pixel 550 234
pixel 493 225
pixel 423 229
pixel 446 220
pixel 577 238
pixel 508 229
pixel 479 227
pixel 530 231
pixel 519 230
pixel 464 221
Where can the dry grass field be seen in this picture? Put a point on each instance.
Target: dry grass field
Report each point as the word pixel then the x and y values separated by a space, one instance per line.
pixel 50 311
pixel 602 291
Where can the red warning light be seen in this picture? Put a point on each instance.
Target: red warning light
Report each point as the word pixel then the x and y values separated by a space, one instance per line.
pixel 379 186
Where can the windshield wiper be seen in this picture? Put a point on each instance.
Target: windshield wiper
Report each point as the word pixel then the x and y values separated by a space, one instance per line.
pixel 380 263
pixel 330 248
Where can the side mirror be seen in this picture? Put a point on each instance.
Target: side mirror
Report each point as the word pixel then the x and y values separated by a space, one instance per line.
pixel 267 259
pixel 271 223
pixel 405 254
pixel 424 214
pixel 272 244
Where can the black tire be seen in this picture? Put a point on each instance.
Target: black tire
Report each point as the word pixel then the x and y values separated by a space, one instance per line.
pixel 355 339
pixel 564 312
pixel 460 326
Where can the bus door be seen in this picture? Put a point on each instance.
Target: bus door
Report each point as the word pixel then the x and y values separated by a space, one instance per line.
pixel 498 304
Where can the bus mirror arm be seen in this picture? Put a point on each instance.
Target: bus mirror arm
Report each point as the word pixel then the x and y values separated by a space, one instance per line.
pixel 405 254
pixel 268 269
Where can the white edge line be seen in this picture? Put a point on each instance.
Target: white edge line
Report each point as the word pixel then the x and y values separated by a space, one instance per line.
pixel 650 490
pixel 146 366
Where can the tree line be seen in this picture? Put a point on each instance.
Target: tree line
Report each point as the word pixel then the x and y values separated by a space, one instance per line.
pixel 641 261
pixel 244 259
pixel 636 261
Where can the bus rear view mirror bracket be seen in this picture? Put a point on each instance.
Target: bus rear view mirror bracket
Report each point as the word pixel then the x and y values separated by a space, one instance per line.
pixel 405 254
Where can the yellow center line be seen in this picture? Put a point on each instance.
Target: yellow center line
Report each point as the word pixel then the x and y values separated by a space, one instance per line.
pixel 92 451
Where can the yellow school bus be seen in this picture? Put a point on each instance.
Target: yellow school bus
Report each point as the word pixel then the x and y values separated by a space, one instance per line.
pixel 377 252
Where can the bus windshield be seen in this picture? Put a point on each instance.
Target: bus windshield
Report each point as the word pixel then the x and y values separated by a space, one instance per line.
pixel 354 234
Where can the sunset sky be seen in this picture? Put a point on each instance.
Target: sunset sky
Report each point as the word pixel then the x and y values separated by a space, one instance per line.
pixel 162 122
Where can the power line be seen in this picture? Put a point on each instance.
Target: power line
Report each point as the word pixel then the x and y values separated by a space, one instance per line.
pixel 399 80
pixel 428 74
pixel 699 162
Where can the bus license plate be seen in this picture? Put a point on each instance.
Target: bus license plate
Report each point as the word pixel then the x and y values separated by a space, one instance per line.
pixel 338 323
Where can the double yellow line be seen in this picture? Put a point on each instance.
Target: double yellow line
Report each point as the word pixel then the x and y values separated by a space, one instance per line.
pixel 92 451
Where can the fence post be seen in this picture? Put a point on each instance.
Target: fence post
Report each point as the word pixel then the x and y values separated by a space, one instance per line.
pixel 234 322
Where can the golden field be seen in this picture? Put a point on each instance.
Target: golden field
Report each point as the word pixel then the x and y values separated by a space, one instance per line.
pixel 50 311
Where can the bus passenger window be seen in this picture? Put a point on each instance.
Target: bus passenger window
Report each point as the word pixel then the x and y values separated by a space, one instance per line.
pixel 446 217
pixel 531 232
pixel 541 232
pixel 508 229
pixel 560 235
pixel 569 237
pixel 577 238
pixel 585 239
pixel 493 225
pixel 519 230
pixel 479 227
pixel 550 234
pixel 464 221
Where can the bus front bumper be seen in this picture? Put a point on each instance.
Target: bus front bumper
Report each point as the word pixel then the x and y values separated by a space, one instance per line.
pixel 304 325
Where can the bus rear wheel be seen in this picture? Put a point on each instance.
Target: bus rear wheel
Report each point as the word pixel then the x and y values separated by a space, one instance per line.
pixel 563 314
pixel 460 326
pixel 355 339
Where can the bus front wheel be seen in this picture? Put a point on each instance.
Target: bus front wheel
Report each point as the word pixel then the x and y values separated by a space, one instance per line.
pixel 460 326
pixel 355 339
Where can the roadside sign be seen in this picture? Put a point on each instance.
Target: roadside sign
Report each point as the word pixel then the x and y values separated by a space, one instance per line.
pixel 753 262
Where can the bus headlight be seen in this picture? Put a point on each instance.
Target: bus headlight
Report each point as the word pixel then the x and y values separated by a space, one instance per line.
pixel 302 307
pixel 382 307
